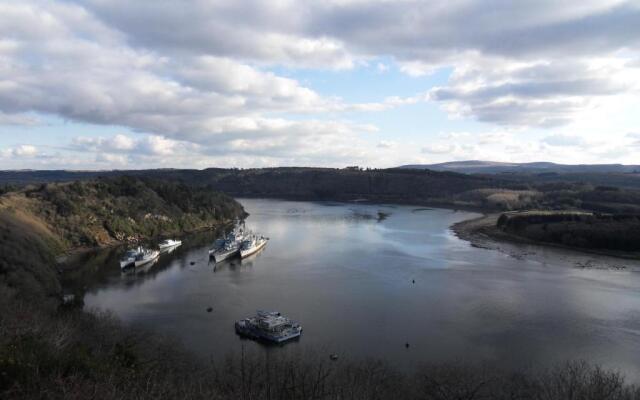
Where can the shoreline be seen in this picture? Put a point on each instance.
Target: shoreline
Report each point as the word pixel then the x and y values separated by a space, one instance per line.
pixel 482 232
pixel 63 259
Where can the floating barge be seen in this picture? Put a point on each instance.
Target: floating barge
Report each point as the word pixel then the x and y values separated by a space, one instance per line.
pixel 269 326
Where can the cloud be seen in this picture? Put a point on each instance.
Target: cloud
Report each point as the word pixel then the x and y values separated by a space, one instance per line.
pixel 332 32
pixel 539 94
pixel 75 66
pixel 439 148
pixel 25 150
pixel 564 140
pixel 198 76
pixel 382 67
pixel 387 144
pixel 124 145
pixel 116 143
pixel 18 119
pixel 265 139
pixel 417 68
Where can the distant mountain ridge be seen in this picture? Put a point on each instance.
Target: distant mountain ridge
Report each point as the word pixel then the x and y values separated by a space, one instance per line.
pixel 495 167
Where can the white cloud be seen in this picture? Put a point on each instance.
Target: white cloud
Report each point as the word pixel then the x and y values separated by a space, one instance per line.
pixel 18 119
pixel 125 145
pixel 382 67
pixel 417 68
pixel 530 94
pixel 564 140
pixel 25 150
pixel 509 58
pixel 387 144
pixel 439 148
pixel 209 78
pixel 20 152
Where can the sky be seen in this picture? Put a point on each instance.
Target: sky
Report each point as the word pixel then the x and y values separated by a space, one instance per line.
pixel 120 84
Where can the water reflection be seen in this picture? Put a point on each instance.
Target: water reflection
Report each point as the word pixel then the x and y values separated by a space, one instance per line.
pixel 364 286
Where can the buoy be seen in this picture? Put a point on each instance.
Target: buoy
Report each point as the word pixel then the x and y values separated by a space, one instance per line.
pixel 413 280
pixel 209 309
pixel 333 357
pixel 406 345
pixel 192 262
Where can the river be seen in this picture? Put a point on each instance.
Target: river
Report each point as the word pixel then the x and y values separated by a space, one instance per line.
pixel 365 286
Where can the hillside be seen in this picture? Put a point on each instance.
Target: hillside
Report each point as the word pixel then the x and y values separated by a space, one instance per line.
pixel 495 167
pixel 576 229
pixel 611 193
pixel 41 222
pixel 110 210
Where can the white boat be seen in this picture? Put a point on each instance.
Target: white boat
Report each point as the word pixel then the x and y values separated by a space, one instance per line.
pixel 169 243
pixel 146 257
pixel 129 257
pixel 252 245
pixel 143 269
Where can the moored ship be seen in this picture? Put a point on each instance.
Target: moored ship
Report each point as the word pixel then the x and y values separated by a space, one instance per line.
pixel 145 257
pixel 270 326
pixel 129 257
pixel 228 250
pixel 252 245
pixel 169 243
pixel 228 246
pixel 235 236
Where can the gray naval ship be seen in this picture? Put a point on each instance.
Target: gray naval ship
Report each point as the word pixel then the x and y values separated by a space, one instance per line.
pixel 239 242
pixel 270 326
pixel 228 246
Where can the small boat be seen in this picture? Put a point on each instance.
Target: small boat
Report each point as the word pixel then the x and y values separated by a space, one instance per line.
pixel 270 326
pixel 252 245
pixel 142 269
pixel 146 257
pixel 129 257
pixel 169 243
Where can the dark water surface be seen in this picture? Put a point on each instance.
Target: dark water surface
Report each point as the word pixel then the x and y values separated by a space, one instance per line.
pixel 347 278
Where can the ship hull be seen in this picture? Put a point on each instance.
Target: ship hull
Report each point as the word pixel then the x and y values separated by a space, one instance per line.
pixel 170 246
pixel 125 263
pixel 154 257
pixel 244 329
pixel 253 250
pixel 223 255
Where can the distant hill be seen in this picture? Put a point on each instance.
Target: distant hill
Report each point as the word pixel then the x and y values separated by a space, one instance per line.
pixel 613 192
pixel 494 167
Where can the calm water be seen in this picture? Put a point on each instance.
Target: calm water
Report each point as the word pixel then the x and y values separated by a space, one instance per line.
pixel 347 278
